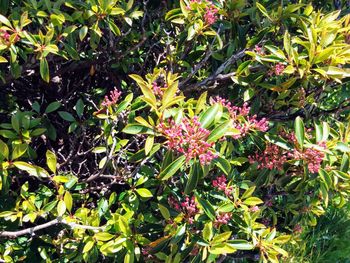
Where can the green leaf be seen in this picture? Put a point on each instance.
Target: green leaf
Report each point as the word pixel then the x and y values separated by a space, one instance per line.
pixel 344 166
pixel 49 206
pixel 15 121
pixel 201 102
pixel 220 131
pixel 240 244
pixel 147 92
pixel 342 147
pixel 263 10
pixel 221 248
pixel 221 237
pixel 3 60
pixel 239 161
pixel 114 28
pixel 4 150
pixel 19 150
pixel 135 128
pixel 170 93
pixel 223 164
pixel 61 208
pixel 31 169
pixel 88 246
pixel 82 32
pixel 149 144
pixel 68 200
pixel 52 107
pixel 103 236
pixel 208 231
pixel 252 201
pixel 164 211
pixel 179 234
pixel 79 108
pixel 299 130
pixel 5 21
pixel 51 161
pixel 191 33
pixel 206 206
pixel 143 192
pixel 248 192
pixel 44 70
pixel 37 132
pixel 208 116
pixel 123 225
pixel 66 116
pixel 172 168
pixel 193 178
pixel 8 134
pixel 183 7
pixel 278 141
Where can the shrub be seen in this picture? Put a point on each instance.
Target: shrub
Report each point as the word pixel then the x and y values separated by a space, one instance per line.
pixel 222 131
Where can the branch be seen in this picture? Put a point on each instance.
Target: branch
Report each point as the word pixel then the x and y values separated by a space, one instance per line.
pixel 32 230
pixel 217 75
pixel 109 157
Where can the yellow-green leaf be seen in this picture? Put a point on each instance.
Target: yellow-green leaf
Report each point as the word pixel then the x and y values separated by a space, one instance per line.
pixel 51 161
pixel 149 144
pixel 68 200
pixel 61 208
pixel 103 236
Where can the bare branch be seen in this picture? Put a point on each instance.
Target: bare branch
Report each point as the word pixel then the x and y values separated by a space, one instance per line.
pixel 32 230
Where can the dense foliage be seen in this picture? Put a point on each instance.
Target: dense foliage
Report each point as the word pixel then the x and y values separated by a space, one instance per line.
pixel 173 131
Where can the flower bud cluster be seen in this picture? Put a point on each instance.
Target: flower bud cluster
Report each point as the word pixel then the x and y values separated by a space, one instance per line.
pixel 241 120
pixel 188 207
pixel 221 184
pixel 313 157
pixel 277 70
pixel 112 99
pixel 188 138
pixel 273 157
pixel 210 15
pixel 222 219
pixel 157 89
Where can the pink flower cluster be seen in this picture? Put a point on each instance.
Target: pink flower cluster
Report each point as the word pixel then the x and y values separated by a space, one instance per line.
pixel 311 156
pixel 174 203
pixel 221 184
pixel 112 99
pixel 222 219
pixel 277 70
pixel 188 207
pixel 188 138
pixel 254 208
pixel 259 50
pixel 273 157
pixel 4 35
pixel 157 90
pixel 236 114
pixel 210 15
pixel 297 229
